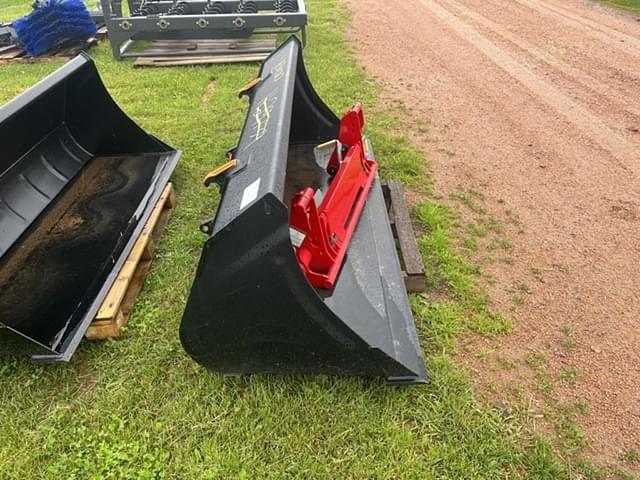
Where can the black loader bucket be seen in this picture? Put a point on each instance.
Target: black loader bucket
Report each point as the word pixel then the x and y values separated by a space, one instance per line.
pixel 78 180
pixel 300 272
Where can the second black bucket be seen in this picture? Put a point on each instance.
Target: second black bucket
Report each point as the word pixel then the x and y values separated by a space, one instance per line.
pixel 78 180
pixel 251 308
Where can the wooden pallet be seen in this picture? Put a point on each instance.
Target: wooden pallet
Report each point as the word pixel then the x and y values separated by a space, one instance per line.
pixel 410 258
pixel 168 53
pixel 117 305
pixel 15 54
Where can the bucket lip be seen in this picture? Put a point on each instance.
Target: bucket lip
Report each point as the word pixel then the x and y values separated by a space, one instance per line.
pixel 39 89
pixel 419 379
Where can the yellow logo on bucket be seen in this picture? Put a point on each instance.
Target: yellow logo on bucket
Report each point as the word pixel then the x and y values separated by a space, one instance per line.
pixel 262 117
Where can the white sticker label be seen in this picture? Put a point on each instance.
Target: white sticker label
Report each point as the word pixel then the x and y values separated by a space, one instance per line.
pixel 250 194
pixel 297 237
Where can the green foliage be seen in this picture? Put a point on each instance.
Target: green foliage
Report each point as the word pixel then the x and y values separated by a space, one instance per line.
pixel 109 452
pixel 536 360
pixel 569 375
pixel 571 436
pixel 633 5
pixel 443 322
pixel 541 463
pixel 631 456
pixel 445 267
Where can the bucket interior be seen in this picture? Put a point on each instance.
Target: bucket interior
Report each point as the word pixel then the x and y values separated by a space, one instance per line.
pixel 77 176
pixel 50 277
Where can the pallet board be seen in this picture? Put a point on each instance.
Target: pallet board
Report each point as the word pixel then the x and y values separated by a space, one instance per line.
pixel 10 52
pixel 15 54
pixel 117 305
pixel 410 257
pixel 166 53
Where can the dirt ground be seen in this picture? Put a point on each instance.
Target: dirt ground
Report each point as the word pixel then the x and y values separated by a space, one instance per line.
pixel 536 104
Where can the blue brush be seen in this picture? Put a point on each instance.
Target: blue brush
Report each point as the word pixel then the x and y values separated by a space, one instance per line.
pixel 53 23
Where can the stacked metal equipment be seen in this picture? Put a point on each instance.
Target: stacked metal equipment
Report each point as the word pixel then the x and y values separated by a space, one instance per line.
pixel 198 20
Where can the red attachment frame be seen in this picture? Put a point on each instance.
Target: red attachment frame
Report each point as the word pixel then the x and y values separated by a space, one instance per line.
pixel 321 235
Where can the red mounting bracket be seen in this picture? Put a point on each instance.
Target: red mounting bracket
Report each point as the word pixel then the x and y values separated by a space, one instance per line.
pixel 321 235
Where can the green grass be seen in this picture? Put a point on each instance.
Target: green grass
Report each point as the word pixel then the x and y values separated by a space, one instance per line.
pixel 569 375
pixel 140 408
pixel 11 9
pixel 631 456
pixel 633 5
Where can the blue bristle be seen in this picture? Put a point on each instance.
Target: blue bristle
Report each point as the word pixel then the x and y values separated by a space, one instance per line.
pixel 53 23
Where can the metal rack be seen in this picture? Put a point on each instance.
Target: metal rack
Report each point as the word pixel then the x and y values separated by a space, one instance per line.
pixel 198 20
